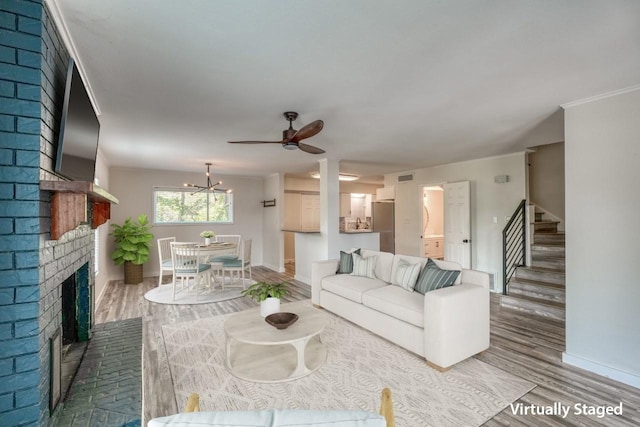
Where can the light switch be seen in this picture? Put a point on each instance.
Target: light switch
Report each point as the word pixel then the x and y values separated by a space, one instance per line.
pixel 495 219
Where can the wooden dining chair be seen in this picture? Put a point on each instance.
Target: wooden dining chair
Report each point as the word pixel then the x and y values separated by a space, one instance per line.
pixel 164 256
pixel 189 264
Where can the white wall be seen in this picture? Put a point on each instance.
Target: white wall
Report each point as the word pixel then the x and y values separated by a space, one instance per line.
pixel 104 258
pixel 272 220
pixel 602 158
pixel 546 178
pixel 488 200
pixel 134 189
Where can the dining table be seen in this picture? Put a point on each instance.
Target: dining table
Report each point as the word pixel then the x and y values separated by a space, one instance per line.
pixel 218 248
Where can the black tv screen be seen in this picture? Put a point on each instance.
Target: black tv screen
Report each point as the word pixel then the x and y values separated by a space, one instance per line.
pixel 79 129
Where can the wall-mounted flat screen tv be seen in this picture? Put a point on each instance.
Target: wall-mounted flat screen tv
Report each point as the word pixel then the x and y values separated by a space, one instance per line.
pixel 79 130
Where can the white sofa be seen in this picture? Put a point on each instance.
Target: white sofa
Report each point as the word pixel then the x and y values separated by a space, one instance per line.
pixel 445 326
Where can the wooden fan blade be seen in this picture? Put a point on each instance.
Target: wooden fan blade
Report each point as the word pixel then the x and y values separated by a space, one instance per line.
pixel 310 148
pixel 308 131
pixel 255 142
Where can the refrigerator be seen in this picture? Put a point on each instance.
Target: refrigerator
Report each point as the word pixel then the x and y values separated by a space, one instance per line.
pixel 384 223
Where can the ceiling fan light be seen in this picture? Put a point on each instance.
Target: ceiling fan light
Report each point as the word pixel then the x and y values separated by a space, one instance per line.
pixel 288 145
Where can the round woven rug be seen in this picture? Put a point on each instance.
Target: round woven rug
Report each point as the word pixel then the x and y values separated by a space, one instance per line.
pixel 163 294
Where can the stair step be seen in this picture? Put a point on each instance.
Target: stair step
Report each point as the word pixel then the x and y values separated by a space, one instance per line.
pixel 547 275
pixel 545 226
pixel 542 238
pixel 548 250
pixel 537 289
pixel 526 304
pixel 554 262
pixel 538 216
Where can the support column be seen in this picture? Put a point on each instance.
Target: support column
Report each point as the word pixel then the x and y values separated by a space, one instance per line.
pixel 329 207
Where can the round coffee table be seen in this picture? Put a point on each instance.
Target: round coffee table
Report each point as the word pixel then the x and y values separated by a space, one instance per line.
pixel 256 351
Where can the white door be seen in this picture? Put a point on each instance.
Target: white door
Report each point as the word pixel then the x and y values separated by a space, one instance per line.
pixel 457 223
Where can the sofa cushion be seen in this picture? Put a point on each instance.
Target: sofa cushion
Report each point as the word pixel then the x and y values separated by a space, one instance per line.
pixel 384 261
pixel 448 265
pixel 345 265
pixel 272 418
pixel 364 266
pixel 406 274
pixel 350 287
pixel 433 277
pixel 396 302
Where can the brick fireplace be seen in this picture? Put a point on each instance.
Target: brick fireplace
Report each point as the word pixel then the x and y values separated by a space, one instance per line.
pixel 33 267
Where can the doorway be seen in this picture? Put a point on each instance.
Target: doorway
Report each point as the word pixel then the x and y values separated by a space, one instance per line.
pixel 433 222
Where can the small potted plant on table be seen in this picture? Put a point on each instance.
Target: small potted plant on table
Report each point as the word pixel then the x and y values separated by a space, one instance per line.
pixel 207 236
pixel 268 295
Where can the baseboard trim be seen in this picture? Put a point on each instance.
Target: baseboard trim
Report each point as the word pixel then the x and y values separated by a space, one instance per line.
pixel 605 371
pixel 302 279
pixel 272 267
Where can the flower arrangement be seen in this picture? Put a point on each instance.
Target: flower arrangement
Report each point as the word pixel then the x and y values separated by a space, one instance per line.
pixel 207 234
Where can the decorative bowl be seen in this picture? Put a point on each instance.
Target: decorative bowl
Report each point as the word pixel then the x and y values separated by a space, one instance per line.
pixel 281 320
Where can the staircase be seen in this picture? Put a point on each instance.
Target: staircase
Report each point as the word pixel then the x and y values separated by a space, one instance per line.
pixel 539 289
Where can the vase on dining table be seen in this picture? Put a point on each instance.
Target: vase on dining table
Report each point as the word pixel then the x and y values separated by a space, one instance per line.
pixel 207 241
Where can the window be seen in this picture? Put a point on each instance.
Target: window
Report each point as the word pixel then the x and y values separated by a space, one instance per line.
pixel 182 206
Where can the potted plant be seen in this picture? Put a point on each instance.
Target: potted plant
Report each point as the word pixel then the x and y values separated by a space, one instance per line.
pixel 132 247
pixel 268 295
pixel 207 236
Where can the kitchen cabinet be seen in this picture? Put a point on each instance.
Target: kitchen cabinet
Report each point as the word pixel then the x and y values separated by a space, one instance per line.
pixel 292 211
pixel 309 212
pixel 368 199
pixel 357 207
pixel 345 204
pixel 433 247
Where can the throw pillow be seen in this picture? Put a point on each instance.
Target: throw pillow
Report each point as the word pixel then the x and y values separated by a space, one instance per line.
pixel 345 266
pixel 433 277
pixel 406 275
pixel 363 266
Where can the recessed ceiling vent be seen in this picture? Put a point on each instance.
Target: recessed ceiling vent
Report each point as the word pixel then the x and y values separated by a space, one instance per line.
pixel 404 178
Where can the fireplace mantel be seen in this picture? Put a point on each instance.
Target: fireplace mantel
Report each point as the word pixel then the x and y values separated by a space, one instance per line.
pixel 69 205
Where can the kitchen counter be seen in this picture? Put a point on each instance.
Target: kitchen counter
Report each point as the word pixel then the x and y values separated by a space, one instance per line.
pixel 300 231
pixel 357 231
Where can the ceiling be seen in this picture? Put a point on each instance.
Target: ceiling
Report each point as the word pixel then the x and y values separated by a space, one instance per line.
pixel 399 85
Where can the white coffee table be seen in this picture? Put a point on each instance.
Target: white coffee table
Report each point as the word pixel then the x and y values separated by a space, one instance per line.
pixel 256 351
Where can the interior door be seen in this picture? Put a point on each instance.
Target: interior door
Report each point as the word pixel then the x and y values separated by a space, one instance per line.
pixel 457 223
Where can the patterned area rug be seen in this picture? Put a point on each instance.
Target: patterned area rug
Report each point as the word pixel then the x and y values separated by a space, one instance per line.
pixel 359 364
pixel 163 294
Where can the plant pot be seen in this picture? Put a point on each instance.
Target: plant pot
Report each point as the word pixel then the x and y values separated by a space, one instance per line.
pixel 269 306
pixel 207 241
pixel 132 273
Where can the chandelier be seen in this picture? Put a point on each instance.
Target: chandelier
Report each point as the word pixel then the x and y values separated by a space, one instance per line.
pixel 211 186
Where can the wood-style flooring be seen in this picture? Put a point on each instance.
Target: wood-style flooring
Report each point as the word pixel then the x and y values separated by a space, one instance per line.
pixel 526 346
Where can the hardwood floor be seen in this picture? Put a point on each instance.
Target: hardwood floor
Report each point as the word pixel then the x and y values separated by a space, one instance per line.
pixel 526 346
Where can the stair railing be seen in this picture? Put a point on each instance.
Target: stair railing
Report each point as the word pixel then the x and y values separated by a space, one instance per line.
pixel 514 244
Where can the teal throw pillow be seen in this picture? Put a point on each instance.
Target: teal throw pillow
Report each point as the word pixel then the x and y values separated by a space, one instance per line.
pixel 345 266
pixel 363 266
pixel 406 275
pixel 433 277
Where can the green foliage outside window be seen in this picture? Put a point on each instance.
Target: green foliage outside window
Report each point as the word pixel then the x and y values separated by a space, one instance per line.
pixel 179 206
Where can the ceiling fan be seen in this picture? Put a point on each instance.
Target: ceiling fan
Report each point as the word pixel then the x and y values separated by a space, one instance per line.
pixel 291 138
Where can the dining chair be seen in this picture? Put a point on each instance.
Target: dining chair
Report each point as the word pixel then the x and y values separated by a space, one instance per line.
pixel 231 254
pixel 239 265
pixel 189 264
pixel 164 255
